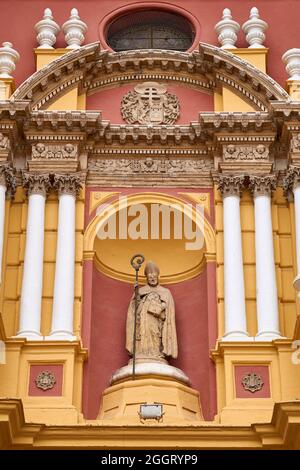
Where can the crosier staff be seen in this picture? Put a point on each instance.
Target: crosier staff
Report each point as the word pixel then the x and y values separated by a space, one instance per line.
pixel 136 262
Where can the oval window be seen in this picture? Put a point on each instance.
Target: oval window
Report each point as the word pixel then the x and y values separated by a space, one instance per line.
pixel 150 30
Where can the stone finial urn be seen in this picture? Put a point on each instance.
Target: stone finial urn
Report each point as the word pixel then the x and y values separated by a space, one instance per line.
pixel 74 30
pixel 227 30
pixel 255 29
pixel 291 59
pixel 8 59
pixel 47 30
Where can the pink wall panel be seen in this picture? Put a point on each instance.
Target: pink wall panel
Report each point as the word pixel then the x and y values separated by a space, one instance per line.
pixel 18 18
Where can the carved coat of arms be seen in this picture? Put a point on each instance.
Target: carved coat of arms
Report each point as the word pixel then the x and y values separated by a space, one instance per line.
pixel 252 382
pixel 150 103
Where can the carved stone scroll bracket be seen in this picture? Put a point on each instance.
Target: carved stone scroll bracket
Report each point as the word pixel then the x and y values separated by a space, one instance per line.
pixel 230 185
pixel 262 185
pixel 67 184
pixel 36 183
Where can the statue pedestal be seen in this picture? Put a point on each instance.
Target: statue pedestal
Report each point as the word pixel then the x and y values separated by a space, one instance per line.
pixel 121 401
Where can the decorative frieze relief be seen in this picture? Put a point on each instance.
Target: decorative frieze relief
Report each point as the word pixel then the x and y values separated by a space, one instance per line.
pixel 36 183
pixel 42 151
pixel 231 185
pixel 150 165
pixel 238 152
pixel 149 103
pixel 262 185
pixel 67 184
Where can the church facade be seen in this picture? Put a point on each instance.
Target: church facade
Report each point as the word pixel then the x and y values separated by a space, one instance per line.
pixel 169 130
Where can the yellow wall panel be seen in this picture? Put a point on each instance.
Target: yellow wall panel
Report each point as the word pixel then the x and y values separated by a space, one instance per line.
pixel 220 282
pixel 251 317
pixel 248 240
pixel 220 248
pixel 250 281
pixel 286 251
pixel 221 323
pixel 78 280
pixel 289 318
pixel 288 291
pixel 78 246
pixel 13 249
pixel 284 220
pixel 9 317
pixel 77 317
pixel 80 215
pixel 46 316
pixel 219 217
pixel 48 279
pixel 50 246
pixel 247 216
pixel 15 218
pixel 11 282
pixel 51 215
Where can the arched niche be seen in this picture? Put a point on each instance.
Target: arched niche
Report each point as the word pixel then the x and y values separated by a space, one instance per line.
pixel 108 286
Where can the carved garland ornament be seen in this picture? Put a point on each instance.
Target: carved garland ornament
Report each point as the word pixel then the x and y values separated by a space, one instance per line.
pixel 45 380
pixel 150 103
pixel 252 382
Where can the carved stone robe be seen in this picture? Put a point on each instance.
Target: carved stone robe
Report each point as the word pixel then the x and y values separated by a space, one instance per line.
pixel 156 329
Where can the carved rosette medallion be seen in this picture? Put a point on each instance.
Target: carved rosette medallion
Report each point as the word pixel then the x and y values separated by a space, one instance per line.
pixel 42 151
pixel 150 103
pixel 67 184
pixel 248 153
pixel 231 185
pixel 45 380
pixel 252 382
pixel 262 185
pixel 36 183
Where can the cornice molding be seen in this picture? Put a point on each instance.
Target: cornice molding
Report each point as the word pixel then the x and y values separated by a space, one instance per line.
pixel 208 68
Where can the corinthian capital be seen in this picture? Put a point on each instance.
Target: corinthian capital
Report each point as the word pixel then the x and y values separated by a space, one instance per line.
pixel 67 184
pixel 8 179
pixel 231 185
pixel 36 183
pixel 292 179
pixel 262 185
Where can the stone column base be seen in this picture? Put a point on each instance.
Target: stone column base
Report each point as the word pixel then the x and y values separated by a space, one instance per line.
pixel 121 402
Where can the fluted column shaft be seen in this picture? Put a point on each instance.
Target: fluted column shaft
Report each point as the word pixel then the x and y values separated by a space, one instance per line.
pixel 32 284
pixel 266 287
pixel 63 301
pixel 234 288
